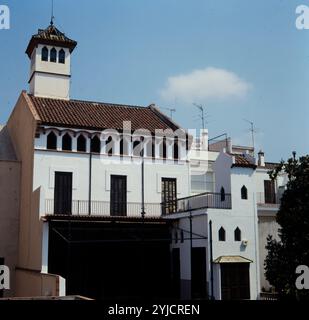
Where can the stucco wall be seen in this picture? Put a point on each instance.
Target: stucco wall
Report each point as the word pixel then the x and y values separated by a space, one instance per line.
pixel 36 284
pixel 199 239
pixel 47 162
pixel 22 127
pixel 9 216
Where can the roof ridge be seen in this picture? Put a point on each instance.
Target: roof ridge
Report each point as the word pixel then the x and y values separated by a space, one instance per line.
pixel 108 103
pixel 93 102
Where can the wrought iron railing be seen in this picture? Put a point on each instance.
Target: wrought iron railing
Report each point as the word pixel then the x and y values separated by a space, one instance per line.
pixel 198 202
pixel 103 208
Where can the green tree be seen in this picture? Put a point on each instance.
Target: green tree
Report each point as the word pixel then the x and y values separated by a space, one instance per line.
pixel 293 217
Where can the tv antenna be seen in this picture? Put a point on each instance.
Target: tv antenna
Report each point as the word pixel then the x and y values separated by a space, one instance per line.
pixel 202 113
pixel 171 110
pixel 252 131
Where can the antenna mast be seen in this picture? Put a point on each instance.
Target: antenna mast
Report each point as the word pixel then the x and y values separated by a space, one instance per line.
pixel 202 111
pixel 252 130
pixel 171 110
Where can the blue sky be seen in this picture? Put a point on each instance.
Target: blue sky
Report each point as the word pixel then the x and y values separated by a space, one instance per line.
pixel 241 59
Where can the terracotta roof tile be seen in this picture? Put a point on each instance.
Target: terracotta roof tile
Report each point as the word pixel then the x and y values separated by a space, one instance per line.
pixel 242 161
pixel 270 165
pixel 51 35
pixel 98 116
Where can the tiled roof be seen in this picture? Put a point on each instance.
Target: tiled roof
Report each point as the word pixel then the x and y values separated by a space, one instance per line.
pixel 98 116
pixel 242 161
pixel 51 35
pixel 270 165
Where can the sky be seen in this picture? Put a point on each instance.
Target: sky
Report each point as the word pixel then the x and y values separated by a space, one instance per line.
pixel 240 59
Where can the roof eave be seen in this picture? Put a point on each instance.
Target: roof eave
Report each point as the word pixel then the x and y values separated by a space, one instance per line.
pixel 35 41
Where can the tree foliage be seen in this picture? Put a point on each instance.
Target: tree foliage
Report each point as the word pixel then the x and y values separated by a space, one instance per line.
pixel 293 218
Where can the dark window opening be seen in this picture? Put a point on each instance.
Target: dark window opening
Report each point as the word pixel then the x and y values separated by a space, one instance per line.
pixel 237 234
pixel 137 148
pixel 169 195
pixel 182 236
pixel 95 145
pixel 164 151
pixel 52 141
pixel 244 193
pixel 176 236
pixel 44 54
pixel 110 146
pixel 61 56
pixel 198 273
pixel 176 149
pixel 121 147
pixel 81 143
pixel 222 193
pixel 269 191
pixel 67 142
pixel 53 55
pixel 221 234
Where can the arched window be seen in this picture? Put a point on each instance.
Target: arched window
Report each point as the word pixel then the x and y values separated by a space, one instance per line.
pixel 95 145
pixel 176 149
pixel 244 193
pixel 67 142
pixel 53 55
pixel 164 149
pixel 44 54
pixel 148 148
pixel 61 58
pixel 109 146
pixel 221 234
pixel 137 148
pixel 81 143
pixel 237 234
pixel 222 194
pixel 52 141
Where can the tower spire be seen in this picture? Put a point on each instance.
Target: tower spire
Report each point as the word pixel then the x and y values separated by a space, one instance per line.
pixel 52 14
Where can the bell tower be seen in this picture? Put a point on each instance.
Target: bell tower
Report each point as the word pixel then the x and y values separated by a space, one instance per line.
pixel 50 71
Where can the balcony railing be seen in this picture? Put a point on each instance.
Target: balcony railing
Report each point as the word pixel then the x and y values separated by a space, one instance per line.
pixel 103 208
pixel 268 199
pixel 198 202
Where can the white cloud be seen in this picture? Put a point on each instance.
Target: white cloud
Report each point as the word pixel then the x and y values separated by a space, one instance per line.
pixel 204 85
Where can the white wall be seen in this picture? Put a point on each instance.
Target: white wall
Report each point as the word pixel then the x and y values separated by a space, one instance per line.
pixel 50 86
pixel 51 79
pixel 222 168
pixel 200 234
pixel 47 162
pixel 242 215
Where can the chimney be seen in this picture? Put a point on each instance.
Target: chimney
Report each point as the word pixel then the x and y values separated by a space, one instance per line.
pixel 261 159
pixel 229 146
pixel 204 139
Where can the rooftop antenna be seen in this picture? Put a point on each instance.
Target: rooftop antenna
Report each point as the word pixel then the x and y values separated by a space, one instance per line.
pixel 202 113
pixel 52 14
pixel 171 110
pixel 252 130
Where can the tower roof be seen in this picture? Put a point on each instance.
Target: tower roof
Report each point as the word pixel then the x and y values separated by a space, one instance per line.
pixel 50 36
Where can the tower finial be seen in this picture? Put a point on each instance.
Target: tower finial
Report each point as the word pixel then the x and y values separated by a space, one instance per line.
pixel 52 14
